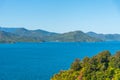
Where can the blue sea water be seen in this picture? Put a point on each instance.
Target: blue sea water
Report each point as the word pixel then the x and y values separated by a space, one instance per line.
pixel 39 61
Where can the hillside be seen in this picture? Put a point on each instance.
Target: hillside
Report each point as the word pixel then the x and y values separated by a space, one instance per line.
pixel 75 36
pixel 41 35
pixel 103 66
pixel 29 33
pixel 105 37
pixel 6 37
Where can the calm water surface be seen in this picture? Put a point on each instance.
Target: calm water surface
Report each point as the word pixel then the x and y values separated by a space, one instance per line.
pixel 39 61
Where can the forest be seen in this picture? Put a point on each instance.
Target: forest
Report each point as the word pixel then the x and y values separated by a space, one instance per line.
pixel 103 66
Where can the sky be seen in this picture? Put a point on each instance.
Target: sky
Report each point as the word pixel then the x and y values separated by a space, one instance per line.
pixel 101 16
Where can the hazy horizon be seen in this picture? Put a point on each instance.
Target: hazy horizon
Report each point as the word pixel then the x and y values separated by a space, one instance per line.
pixel 100 16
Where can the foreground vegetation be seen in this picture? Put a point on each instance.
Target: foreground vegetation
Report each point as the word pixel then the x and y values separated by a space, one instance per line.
pixel 103 66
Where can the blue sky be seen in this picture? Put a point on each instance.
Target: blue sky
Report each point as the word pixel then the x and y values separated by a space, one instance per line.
pixel 102 16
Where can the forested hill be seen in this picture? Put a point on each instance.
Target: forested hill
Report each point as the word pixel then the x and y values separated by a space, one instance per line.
pixel 103 66
pixel 6 37
pixel 105 37
pixel 25 35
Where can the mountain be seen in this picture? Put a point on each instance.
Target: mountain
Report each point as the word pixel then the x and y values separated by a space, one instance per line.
pixel 74 36
pixel 22 34
pixel 6 37
pixel 29 33
pixel 105 37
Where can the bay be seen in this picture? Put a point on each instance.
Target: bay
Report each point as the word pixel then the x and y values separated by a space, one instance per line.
pixel 39 61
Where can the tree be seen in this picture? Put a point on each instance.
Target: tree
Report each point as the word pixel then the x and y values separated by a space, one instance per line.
pixel 76 65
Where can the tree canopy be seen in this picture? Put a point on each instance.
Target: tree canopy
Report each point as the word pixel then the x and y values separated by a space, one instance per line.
pixel 102 66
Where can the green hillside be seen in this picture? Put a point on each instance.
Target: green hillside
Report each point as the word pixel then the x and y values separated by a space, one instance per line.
pixel 105 37
pixel 25 35
pixel 6 37
pixel 103 66
pixel 75 36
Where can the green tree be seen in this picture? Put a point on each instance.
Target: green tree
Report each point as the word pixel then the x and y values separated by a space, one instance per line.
pixel 76 65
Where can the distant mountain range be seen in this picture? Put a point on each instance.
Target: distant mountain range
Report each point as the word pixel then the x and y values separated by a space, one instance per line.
pixel 105 37
pixel 25 35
